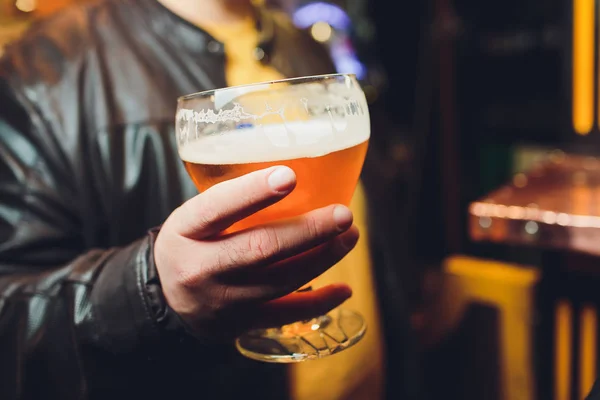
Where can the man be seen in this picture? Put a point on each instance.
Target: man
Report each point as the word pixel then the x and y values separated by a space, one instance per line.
pixel 109 261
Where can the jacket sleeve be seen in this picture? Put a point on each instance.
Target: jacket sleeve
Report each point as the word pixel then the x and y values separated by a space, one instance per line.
pixel 60 302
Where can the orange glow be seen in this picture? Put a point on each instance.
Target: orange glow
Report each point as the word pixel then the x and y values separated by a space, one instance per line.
pixel 587 351
pixel 47 7
pixel 583 65
pixel 562 351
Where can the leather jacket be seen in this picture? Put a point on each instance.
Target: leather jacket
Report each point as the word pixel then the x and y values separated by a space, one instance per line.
pixel 88 172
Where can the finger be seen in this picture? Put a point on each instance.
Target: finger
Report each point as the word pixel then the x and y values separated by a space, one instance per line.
pixel 293 273
pixel 224 204
pixel 274 281
pixel 300 306
pixel 270 243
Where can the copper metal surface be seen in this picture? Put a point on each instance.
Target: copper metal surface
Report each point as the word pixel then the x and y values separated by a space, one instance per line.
pixel 555 205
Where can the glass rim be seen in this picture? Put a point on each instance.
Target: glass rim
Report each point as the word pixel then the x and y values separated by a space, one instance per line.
pixel 300 79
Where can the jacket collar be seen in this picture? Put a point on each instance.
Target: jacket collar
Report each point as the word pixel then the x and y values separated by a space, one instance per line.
pixel 286 49
pixel 191 37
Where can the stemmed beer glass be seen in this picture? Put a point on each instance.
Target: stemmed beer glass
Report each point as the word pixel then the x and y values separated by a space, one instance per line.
pixel 319 127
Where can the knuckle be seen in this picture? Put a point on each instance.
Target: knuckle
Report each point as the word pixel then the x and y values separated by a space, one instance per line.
pixel 208 216
pixel 191 277
pixel 198 216
pixel 231 297
pixel 185 278
pixel 263 243
pixel 229 255
pixel 224 296
pixel 312 227
pixel 218 299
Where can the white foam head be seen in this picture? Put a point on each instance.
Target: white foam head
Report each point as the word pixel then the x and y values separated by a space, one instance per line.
pixel 277 142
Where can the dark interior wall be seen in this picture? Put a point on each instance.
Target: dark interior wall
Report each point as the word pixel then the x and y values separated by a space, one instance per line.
pixel 398 25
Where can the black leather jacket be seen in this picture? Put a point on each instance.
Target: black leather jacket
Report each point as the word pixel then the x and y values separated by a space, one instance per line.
pixel 88 168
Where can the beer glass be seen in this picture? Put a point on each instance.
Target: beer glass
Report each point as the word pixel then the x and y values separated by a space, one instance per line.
pixel 319 127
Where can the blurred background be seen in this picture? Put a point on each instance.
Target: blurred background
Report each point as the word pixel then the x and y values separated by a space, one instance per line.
pixel 495 108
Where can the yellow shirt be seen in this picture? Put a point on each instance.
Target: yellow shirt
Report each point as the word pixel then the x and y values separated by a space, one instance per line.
pixel 356 373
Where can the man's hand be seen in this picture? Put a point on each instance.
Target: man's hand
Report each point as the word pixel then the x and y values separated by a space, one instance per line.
pixel 223 285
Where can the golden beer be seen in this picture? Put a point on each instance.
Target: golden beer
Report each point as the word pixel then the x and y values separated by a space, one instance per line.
pixel 319 127
pixel 322 180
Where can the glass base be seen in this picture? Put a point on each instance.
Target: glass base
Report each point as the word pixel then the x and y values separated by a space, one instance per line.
pixel 307 340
